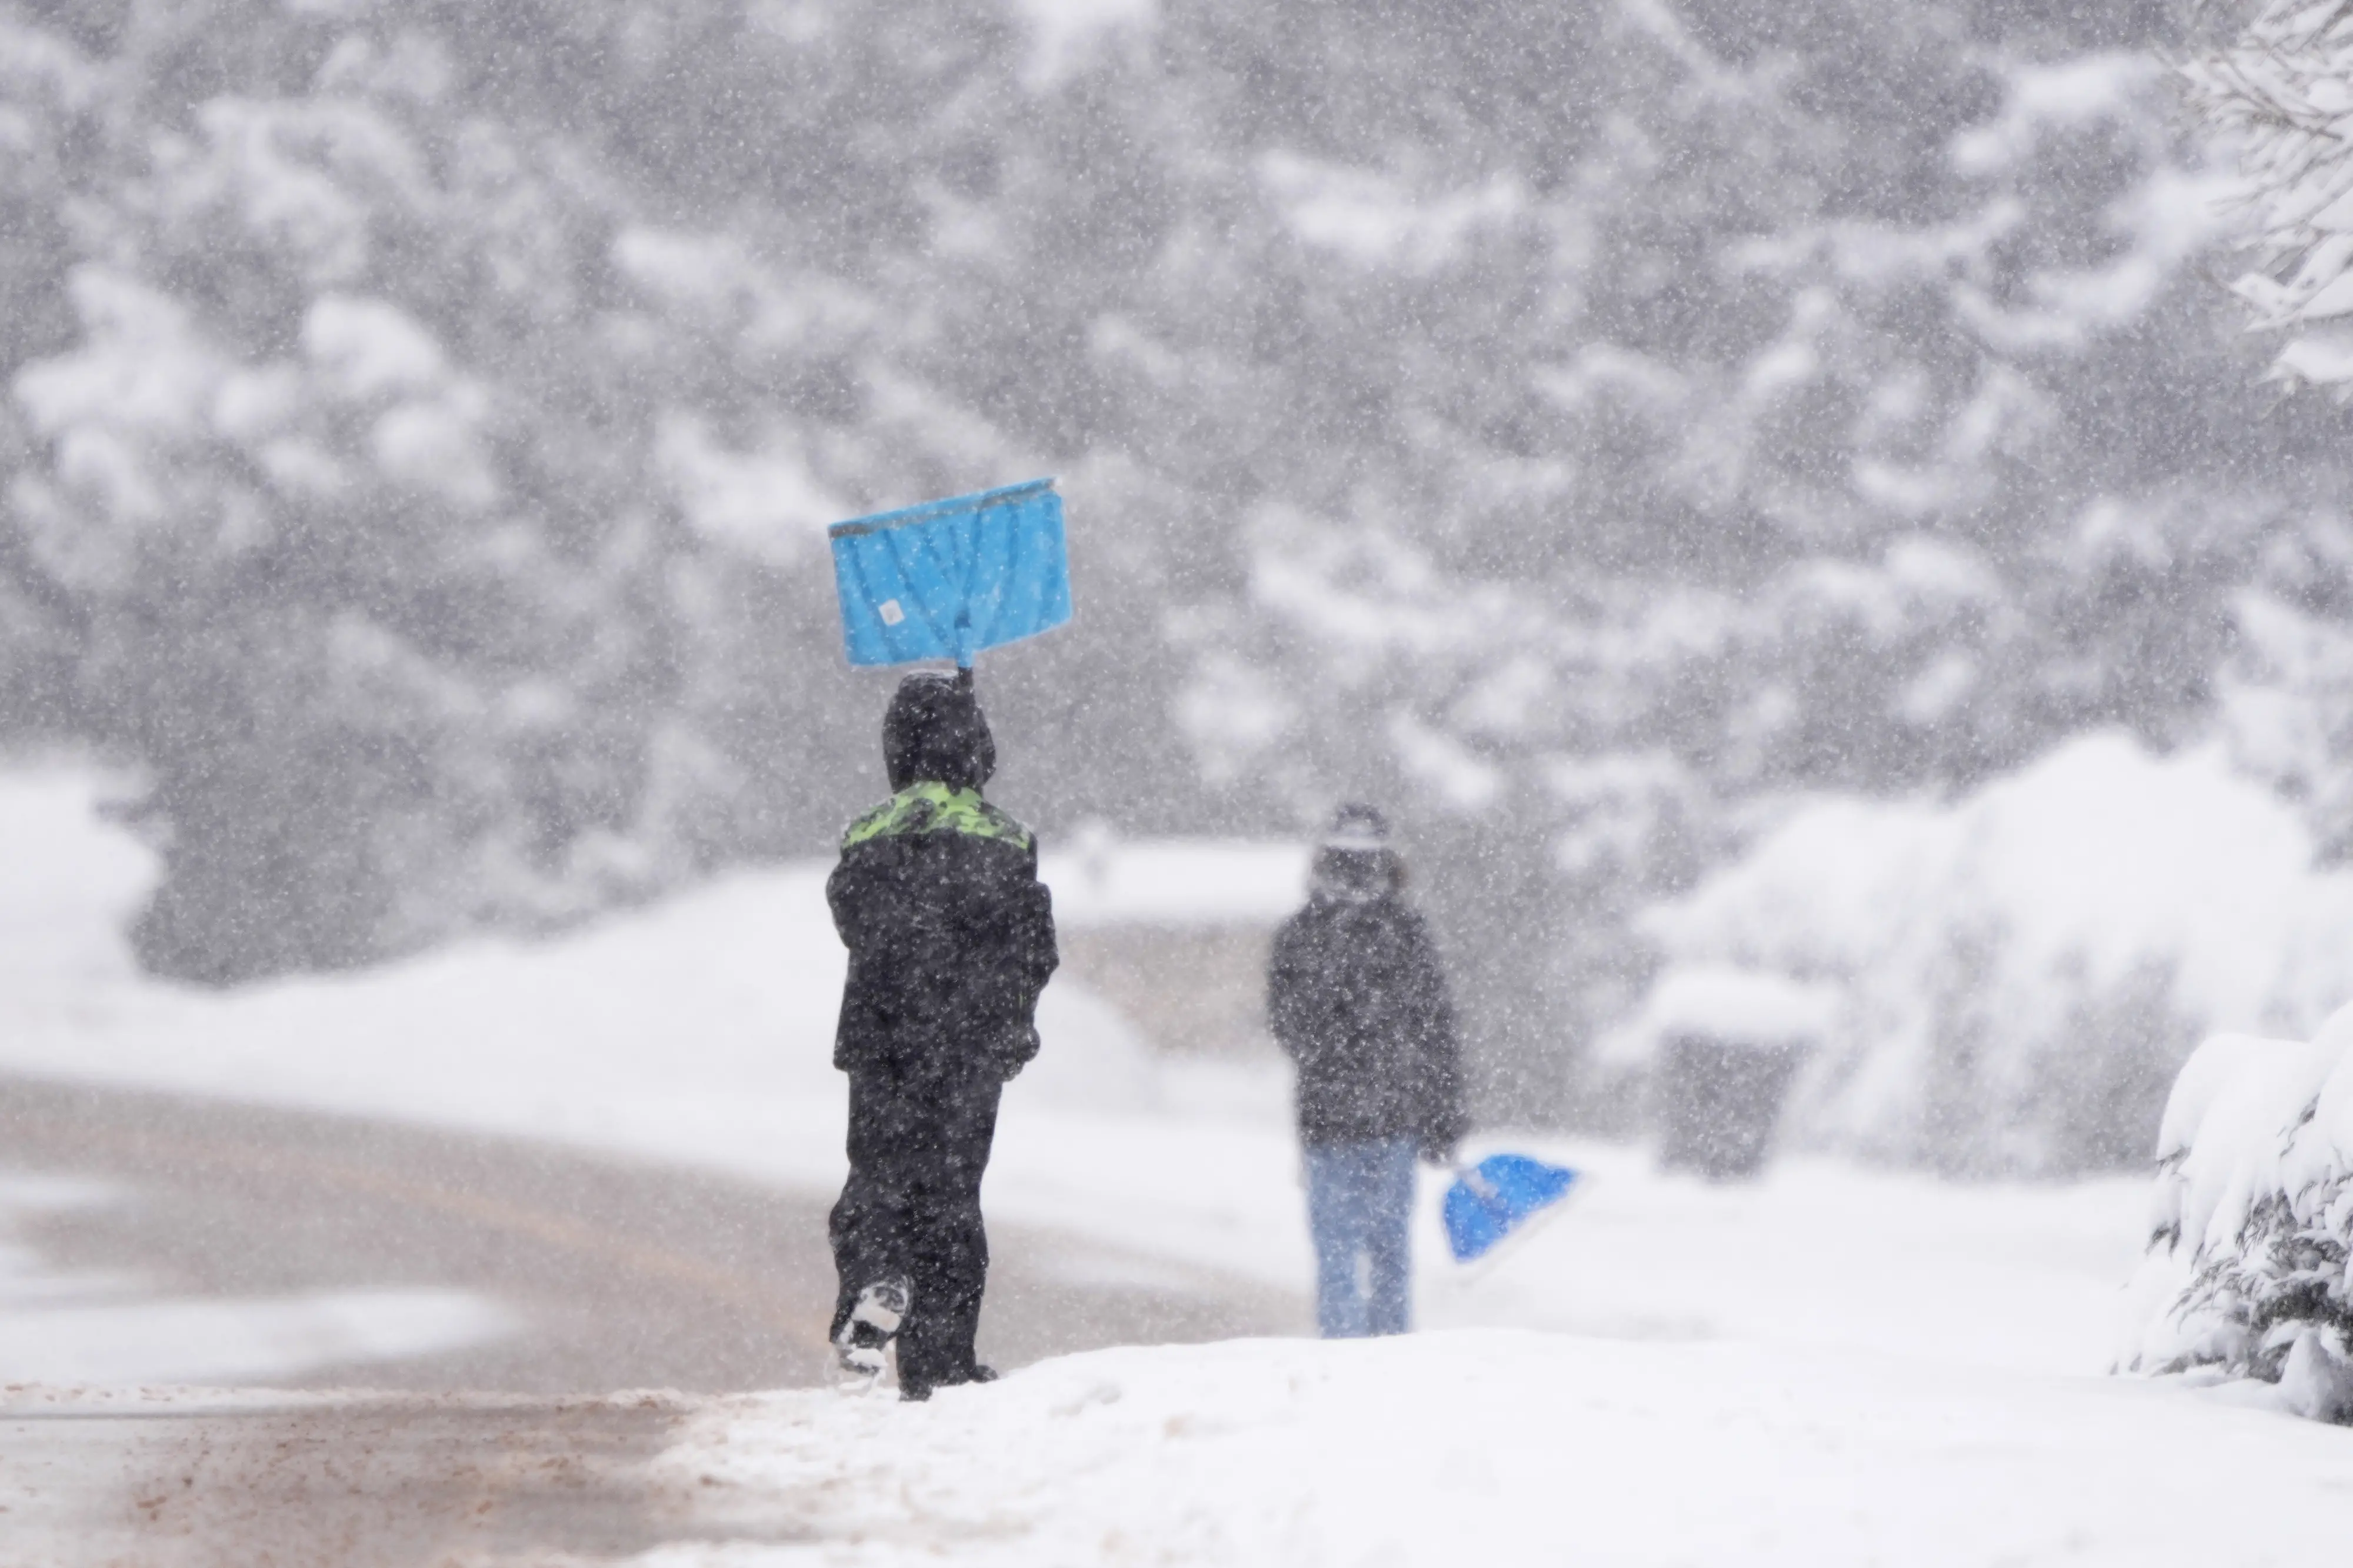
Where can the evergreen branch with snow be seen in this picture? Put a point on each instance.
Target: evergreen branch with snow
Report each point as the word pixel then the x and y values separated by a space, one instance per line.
pixel 2281 91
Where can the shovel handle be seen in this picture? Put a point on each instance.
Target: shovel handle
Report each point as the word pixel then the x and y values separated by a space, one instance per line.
pixel 1469 1176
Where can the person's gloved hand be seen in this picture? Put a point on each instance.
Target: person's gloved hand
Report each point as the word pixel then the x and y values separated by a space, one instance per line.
pixel 1021 1049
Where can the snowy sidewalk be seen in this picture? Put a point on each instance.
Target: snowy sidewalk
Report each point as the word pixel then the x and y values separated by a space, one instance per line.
pixel 1497 1447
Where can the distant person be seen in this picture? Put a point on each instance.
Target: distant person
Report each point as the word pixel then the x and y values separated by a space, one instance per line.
pixel 1356 998
pixel 951 939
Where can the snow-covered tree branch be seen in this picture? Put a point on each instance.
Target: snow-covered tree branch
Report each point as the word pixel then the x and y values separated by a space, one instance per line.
pixel 2282 91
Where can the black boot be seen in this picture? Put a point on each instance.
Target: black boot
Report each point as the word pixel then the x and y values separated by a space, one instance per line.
pixel 918 1388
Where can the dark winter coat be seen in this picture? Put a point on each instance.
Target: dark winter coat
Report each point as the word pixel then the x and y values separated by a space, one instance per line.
pixel 1355 996
pixel 951 935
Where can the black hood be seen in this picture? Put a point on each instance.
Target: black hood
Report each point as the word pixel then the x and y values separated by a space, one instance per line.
pixel 936 731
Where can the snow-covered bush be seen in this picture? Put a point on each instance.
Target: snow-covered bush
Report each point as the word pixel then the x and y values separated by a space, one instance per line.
pixel 2277 92
pixel 2024 969
pixel 2250 1261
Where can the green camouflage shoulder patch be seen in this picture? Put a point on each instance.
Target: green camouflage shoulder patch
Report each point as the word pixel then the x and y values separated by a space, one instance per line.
pixel 929 807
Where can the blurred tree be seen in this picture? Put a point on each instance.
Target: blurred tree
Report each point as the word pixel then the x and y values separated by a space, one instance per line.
pixel 1586 427
pixel 1667 409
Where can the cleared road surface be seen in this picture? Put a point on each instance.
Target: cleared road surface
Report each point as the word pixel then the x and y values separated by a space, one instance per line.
pixel 545 1285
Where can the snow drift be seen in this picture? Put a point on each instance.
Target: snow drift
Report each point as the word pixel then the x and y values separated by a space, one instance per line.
pixel 1718 1002
pixel 2023 971
pixel 1506 1447
pixel 2247 1270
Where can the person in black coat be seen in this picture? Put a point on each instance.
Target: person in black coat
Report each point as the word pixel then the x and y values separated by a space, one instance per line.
pixel 1356 998
pixel 951 939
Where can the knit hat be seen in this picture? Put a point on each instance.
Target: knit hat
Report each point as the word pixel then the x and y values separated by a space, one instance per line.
pixel 935 731
pixel 1357 828
pixel 1354 864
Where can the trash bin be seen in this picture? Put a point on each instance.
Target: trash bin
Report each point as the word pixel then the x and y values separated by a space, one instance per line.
pixel 1719 1101
pixel 1719 1047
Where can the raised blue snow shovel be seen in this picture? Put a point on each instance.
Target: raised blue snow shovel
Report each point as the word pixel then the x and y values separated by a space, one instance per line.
pixel 1496 1196
pixel 947 579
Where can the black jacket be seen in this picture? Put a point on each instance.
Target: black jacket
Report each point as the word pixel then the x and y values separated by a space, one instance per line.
pixel 951 935
pixel 1355 996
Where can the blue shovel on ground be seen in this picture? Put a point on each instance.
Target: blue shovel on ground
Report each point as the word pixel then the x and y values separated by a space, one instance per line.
pixel 1496 1198
pixel 949 578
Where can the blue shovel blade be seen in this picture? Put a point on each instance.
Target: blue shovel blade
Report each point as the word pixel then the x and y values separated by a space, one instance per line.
pixel 1495 1197
pixel 947 579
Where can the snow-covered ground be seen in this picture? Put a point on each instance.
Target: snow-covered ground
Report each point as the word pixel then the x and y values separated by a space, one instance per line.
pixel 1497 1446
pixel 1832 1365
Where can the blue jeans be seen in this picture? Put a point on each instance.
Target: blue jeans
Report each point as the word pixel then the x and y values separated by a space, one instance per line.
pixel 1360 1210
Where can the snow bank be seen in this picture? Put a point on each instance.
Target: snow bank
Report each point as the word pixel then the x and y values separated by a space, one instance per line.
pixel 2250 1261
pixel 1719 1002
pixel 2023 971
pixel 1501 1447
pixel 73 884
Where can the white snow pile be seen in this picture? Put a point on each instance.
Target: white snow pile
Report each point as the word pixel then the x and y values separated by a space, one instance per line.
pixel 72 883
pixel 2024 970
pixel 2249 1264
pixel 1722 1002
pixel 1498 1446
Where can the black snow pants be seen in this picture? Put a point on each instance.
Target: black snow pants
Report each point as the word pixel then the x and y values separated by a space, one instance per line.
pixel 919 1142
